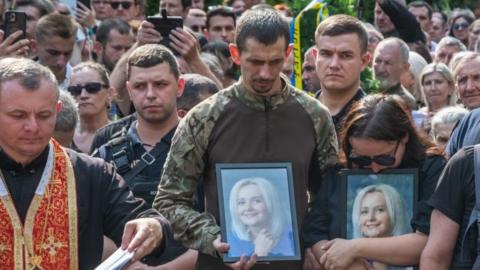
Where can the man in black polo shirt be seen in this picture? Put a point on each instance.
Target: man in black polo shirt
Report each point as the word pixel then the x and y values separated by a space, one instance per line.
pixel 341 56
pixel 139 150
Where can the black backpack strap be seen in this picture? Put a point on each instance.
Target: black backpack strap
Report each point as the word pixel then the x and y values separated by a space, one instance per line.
pixel 147 159
pixel 120 148
pixel 475 215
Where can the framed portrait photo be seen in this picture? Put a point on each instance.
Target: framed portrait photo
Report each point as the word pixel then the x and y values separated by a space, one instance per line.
pixel 257 211
pixel 378 205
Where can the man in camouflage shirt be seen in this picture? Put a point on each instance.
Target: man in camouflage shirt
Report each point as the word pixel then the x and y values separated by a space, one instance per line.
pixel 257 120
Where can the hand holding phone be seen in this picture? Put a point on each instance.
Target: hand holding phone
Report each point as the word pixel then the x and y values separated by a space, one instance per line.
pixel 164 25
pixel 15 21
pixel 13 40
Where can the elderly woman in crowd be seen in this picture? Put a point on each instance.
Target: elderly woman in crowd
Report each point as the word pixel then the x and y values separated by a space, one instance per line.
pixel 90 87
pixel 443 123
pixel 438 87
pixel 378 134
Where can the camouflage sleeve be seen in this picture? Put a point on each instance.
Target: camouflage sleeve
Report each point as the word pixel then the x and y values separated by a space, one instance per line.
pixel 325 135
pixel 184 166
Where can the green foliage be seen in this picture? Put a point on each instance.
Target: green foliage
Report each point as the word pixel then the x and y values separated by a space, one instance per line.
pixel 368 83
pixel 151 7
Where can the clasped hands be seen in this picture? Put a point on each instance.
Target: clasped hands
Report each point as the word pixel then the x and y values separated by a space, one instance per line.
pixel 336 254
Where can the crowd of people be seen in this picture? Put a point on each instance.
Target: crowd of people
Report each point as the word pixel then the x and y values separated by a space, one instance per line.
pixel 112 134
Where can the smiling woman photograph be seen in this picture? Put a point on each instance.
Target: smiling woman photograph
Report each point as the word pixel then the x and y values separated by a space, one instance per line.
pixel 379 211
pixel 260 223
pixel 378 134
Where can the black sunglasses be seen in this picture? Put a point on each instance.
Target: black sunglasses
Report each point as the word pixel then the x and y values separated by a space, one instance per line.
pixel 91 88
pixel 384 160
pixel 461 26
pixel 125 4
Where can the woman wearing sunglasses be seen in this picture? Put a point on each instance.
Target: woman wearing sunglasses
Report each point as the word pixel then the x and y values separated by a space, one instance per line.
pixel 90 87
pixel 378 134
pixel 461 20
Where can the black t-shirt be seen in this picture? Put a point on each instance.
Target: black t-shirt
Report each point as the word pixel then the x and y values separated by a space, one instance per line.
pixel 455 198
pixel 324 221
pixel 104 134
pixel 338 118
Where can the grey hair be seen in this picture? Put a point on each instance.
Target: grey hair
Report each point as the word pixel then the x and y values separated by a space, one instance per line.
pixel 446 73
pixel 402 46
pixel 213 63
pixel 460 60
pixel 450 42
pixel 417 63
pixel 67 118
pixel 448 115
pixel 28 72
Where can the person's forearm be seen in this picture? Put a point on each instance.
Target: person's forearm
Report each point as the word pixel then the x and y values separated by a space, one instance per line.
pixel 118 79
pixel 400 250
pixel 428 263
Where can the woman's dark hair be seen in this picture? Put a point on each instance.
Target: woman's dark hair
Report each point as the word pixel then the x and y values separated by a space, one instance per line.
pixel 385 118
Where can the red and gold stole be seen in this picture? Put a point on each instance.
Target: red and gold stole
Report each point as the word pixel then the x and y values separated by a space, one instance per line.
pixel 48 239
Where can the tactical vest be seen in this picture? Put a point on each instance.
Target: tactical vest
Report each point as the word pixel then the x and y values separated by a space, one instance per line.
pixel 122 152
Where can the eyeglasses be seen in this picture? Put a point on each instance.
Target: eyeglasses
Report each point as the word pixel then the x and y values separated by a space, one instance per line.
pixel 91 88
pixel 460 26
pixel 384 160
pixel 124 4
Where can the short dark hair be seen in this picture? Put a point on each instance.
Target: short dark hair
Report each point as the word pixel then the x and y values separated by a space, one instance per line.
pixel 104 29
pixel 150 55
pixel 195 86
pixel 264 25
pixel 28 72
pixel 220 11
pixel 419 4
pixel 443 15
pixel 44 7
pixel 343 24
pixel 186 4
pixel 55 24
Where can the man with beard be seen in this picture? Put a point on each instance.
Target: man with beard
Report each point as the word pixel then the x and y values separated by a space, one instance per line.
pixel 390 61
pixel 310 79
pixel 259 119
pixel 114 37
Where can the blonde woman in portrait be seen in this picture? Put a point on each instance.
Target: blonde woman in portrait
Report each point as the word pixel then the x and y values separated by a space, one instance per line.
pixel 260 224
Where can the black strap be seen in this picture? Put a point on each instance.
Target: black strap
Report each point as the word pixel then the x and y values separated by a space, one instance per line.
pixel 120 147
pixel 146 159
